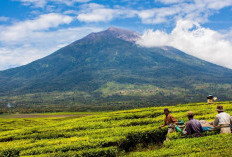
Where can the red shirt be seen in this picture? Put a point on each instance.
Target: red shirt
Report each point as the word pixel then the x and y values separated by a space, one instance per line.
pixel 169 119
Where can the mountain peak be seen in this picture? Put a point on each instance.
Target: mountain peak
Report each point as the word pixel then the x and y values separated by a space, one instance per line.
pixel 113 29
pixel 123 34
pixel 119 33
pixel 119 30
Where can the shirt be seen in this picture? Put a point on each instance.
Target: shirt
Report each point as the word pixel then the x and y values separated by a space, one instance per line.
pixel 193 126
pixel 169 120
pixel 222 119
pixel 210 101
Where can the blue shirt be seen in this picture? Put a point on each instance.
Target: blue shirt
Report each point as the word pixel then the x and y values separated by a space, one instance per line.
pixel 193 126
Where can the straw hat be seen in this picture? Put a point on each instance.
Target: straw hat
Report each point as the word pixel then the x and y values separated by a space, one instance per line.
pixel 220 108
pixel 190 113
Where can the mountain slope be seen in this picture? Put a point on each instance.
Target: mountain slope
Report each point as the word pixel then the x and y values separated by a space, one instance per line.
pixel 112 56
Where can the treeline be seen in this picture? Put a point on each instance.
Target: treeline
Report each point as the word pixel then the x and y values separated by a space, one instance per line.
pixel 76 101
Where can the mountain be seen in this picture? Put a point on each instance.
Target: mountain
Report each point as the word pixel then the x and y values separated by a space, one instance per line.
pixel 109 66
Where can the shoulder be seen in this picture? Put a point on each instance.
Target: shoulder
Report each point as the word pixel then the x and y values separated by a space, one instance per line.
pixel 197 121
pixel 188 123
pixel 170 116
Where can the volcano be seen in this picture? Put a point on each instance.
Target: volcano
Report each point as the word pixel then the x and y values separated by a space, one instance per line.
pixel 110 67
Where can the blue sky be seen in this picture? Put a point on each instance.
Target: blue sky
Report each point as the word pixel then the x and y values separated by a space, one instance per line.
pixel 32 29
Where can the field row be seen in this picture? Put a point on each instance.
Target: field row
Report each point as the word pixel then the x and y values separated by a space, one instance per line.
pixel 103 134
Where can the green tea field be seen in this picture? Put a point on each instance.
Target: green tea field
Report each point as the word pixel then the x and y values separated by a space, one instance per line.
pixel 131 133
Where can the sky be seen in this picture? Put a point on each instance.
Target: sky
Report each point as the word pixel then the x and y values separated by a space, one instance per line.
pixel 32 29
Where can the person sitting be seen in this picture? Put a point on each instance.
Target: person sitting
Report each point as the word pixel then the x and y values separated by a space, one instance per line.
pixel 223 121
pixel 169 120
pixel 193 126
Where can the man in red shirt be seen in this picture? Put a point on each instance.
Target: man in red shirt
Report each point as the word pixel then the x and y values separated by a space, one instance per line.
pixel 169 120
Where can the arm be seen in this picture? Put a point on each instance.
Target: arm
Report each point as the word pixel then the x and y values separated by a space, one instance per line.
pixel 163 124
pixel 216 121
pixel 201 128
pixel 188 130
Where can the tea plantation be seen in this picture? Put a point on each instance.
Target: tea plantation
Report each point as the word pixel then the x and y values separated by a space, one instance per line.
pixel 121 133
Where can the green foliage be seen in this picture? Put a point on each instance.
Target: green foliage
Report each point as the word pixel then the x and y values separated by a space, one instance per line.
pixel 109 134
pixel 216 145
pixel 101 152
pixel 174 135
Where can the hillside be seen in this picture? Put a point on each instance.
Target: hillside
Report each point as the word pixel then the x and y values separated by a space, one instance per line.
pixel 108 68
pixel 121 133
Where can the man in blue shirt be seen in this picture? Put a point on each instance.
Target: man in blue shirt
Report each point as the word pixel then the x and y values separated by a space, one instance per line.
pixel 193 126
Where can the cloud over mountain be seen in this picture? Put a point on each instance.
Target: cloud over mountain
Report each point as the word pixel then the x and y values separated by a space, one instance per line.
pixel 190 37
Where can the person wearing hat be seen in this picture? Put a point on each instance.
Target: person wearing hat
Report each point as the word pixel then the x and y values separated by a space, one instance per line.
pixel 193 126
pixel 169 120
pixel 210 99
pixel 223 121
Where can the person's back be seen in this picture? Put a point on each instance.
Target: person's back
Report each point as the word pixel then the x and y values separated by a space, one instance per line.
pixel 223 120
pixel 193 126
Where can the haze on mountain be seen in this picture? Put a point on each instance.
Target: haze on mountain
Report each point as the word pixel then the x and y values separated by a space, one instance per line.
pixel 111 69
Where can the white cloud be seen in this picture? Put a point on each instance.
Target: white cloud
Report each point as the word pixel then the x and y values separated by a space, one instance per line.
pixel 70 2
pixel 158 15
pixel 196 10
pixel 35 3
pixel 4 19
pixel 43 3
pixel 29 40
pixel 173 10
pixel 193 39
pixel 171 1
pixel 95 13
pixel 70 12
pixel 99 13
pixel 213 4
pixel 16 56
pixel 39 44
pixel 24 29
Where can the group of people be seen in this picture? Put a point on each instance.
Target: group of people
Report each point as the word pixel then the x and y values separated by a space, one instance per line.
pixel 194 128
